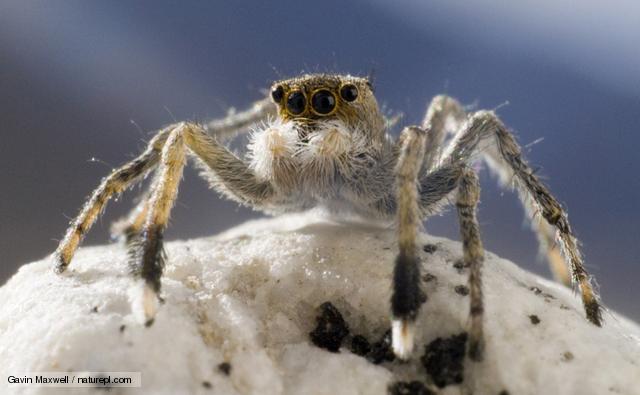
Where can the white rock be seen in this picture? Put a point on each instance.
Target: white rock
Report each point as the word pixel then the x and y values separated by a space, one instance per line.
pixel 249 297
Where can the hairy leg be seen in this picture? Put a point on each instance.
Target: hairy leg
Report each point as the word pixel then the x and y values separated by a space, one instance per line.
pixel 407 295
pixel 467 201
pixel 223 128
pixel 442 110
pixel 116 182
pixel 232 175
pixel 237 122
pixel 486 127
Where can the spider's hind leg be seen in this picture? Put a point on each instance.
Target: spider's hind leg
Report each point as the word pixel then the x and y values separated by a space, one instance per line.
pixel 466 204
pixel 486 127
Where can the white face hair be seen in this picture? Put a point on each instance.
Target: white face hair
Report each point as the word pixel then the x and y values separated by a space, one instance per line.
pixel 306 165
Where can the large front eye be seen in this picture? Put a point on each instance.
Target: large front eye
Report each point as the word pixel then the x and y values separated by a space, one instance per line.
pixel 323 102
pixel 296 103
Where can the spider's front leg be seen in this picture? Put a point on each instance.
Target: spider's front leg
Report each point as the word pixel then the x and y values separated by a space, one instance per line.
pixel 116 182
pixel 230 175
pixel 407 295
pixel 130 226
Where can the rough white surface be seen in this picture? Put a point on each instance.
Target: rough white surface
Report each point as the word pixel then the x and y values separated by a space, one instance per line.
pixel 249 297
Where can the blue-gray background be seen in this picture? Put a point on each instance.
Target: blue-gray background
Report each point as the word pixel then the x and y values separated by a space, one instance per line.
pixel 74 74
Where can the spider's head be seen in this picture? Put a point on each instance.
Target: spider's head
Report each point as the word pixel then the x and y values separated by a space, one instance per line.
pixel 314 98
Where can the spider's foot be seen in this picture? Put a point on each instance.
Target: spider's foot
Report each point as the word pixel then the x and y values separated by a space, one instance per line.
pixel 60 264
pixel 476 349
pixel 402 337
pixel 594 312
pixel 144 303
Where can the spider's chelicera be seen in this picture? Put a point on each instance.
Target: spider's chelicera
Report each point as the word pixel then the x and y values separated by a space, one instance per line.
pixel 324 142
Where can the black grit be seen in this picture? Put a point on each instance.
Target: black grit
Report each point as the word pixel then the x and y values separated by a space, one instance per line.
pixel 444 359
pixel 462 290
pixel 360 345
pixel 409 388
pixel 535 320
pixel 206 384
pixel 225 368
pixel 428 277
pixel 430 248
pixel 330 328
pixel 381 350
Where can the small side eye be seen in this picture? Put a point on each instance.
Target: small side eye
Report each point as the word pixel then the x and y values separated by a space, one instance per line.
pixel 323 102
pixel 296 103
pixel 349 92
pixel 277 94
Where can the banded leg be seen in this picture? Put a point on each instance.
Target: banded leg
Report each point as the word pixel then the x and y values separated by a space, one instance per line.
pixel 486 127
pixel 147 257
pixel 116 182
pixel 237 122
pixel 407 295
pixel 131 225
pixel 231 174
pixel 441 110
pixel 473 256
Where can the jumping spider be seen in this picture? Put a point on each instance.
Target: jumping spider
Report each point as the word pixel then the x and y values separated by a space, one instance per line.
pixel 324 142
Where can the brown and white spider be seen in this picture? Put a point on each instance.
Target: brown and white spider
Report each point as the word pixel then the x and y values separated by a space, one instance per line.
pixel 322 141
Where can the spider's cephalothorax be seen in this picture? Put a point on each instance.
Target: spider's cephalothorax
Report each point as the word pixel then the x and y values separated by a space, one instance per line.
pixel 320 140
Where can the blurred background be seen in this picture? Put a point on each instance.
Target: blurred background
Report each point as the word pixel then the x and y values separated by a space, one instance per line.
pixel 82 80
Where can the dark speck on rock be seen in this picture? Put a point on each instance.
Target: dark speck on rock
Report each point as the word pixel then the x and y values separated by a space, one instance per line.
pixel 94 309
pixel 567 356
pixel 428 277
pixel 462 290
pixel 409 388
pixel 122 328
pixel 206 384
pixel 225 368
pixel 360 345
pixel 430 248
pixel 381 350
pixel 535 320
pixel 535 290
pixel 330 328
pixel 459 265
pixel 444 359
pixel 504 392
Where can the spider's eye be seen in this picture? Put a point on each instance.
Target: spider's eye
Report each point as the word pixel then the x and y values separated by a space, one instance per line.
pixel 296 103
pixel 349 92
pixel 277 94
pixel 323 102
